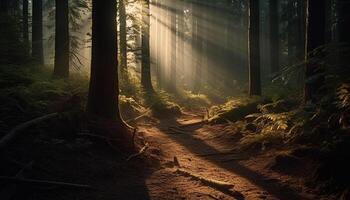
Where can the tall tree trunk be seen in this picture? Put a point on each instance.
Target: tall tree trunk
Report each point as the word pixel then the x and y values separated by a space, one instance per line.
pixel 274 36
pixel 344 21
pixel 37 32
pixel 61 63
pixel 181 37
pixel 300 33
pixel 146 80
pixel 291 31
pixel 122 37
pixel 25 28
pixel 4 6
pixel 199 50
pixel 173 48
pixel 254 48
pixel 104 90
pixel 315 38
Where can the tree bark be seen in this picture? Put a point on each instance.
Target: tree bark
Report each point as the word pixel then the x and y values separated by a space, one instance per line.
pixel 173 49
pixel 315 38
pixel 146 80
pixel 122 37
pixel 104 91
pixel 254 48
pixel 25 28
pixel 274 36
pixel 61 63
pixel 37 32
pixel 344 21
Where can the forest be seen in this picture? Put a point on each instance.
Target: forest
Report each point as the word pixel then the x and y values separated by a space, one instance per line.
pixel 174 99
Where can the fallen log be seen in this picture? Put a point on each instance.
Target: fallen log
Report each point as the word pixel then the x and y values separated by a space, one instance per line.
pixel 43 182
pixel 18 129
pixel 220 185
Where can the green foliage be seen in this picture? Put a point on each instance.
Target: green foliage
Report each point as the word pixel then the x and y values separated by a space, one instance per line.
pixel 30 92
pixel 235 109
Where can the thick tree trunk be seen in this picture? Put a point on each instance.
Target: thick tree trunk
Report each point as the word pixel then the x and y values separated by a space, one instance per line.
pixel 104 90
pixel 315 38
pixel 300 33
pixel 122 37
pixel 37 32
pixel 254 48
pixel 25 28
pixel 61 63
pixel 146 80
pixel 274 36
pixel 344 21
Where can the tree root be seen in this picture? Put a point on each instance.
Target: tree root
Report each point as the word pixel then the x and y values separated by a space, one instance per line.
pixel 17 130
pixel 43 182
pixel 220 185
pixel 142 151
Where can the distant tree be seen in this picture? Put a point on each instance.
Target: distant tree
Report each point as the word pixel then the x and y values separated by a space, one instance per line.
pixel 104 89
pixel 37 32
pixel 173 47
pixel 146 80
pixel 254 48
pixel 274 35
pixel 315 38
pixel 61 62
pixel 122 36
pixel 25 29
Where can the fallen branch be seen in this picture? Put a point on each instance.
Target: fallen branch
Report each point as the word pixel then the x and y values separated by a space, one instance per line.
pixel 220 185
pixel 217 154
pixel 43 182
pixel 142 151
pixel 98 137
pixel 173 130
pixel 138 117
pixel 17 130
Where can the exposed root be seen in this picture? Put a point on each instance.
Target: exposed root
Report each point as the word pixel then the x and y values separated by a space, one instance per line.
pixel 142 151
pixel 220 185
pixel 43 182
pixel 17 130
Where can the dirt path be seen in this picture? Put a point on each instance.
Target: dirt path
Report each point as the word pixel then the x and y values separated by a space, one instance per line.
pixel 188 146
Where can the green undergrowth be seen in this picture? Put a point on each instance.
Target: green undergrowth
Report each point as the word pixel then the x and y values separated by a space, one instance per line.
pixel 30 91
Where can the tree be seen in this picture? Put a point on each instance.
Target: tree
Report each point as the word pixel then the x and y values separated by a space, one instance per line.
pixel 254 48
pixel 61 63
pixel 173 48
pixel 25 29
pixel 104 90
pixel 122 37
pixel 315 38
pixel 37 32
pixel 274 36
pixel 146 80
pixel 344 20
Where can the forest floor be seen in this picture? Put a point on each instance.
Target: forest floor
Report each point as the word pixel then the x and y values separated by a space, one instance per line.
pixel 205 151
pixel 185 159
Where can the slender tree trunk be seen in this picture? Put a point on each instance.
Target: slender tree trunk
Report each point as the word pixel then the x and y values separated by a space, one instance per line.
pixel 274 36
pixel 199 50
pixel 291 31
pixel 25 28
pixel 315 38
pixel 61 63
pixel 173 49
pixel 300 33
pixel 146 80
pixel 122 37
pixel 37 32
pixel 104 90
pixel 254 48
